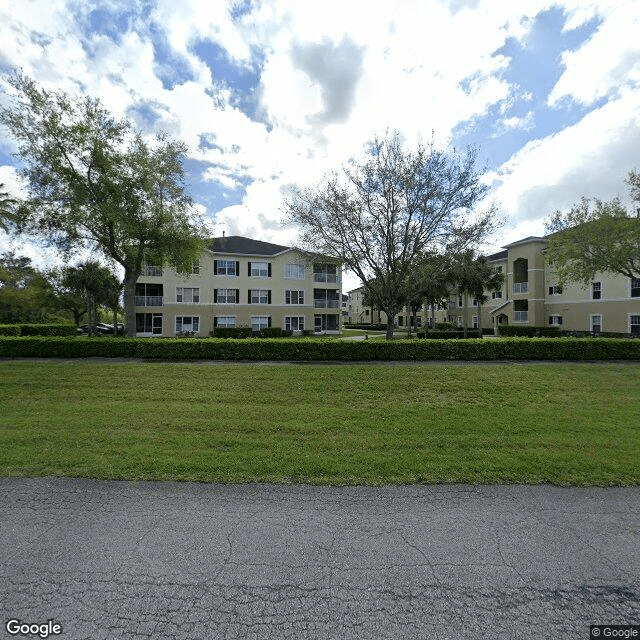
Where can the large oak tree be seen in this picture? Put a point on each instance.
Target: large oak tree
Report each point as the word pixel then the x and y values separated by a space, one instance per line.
pixel 379 214
pixel 94 182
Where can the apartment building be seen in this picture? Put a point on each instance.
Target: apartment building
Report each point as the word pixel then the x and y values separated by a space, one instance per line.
pixel 241 282
pixel 531 295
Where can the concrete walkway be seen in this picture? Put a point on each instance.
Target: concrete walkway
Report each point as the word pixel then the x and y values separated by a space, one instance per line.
pixel 168 560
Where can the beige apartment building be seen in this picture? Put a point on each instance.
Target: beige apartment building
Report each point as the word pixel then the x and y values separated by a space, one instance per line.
pixel 531 295
pixel 240 282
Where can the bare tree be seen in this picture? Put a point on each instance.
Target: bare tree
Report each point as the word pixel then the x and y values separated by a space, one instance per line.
pixel 377 215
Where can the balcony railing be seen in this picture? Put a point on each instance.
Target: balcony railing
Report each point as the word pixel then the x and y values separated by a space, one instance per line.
pixel 325 277
pixel 520 287
pixel 326 304
pixel 149 270
pixel 148 301
pixel 520 316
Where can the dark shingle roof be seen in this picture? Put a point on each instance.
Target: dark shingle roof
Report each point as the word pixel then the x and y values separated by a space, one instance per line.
pixel 501 255
pixel 245 246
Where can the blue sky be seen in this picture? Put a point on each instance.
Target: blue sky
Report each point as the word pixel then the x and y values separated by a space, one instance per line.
pixel 277 92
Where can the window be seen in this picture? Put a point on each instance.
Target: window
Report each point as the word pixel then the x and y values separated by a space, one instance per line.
pixel 260 322
pixel 459 301
pixel 225 267
pixel 293 297
pixel 224 321
pixel 195 267
pixel 189 324
pixel 325 273
pixel 596 323
pixel 634 325
pixel 294 323
pixel 149 323
pixel 496 295
pixel 635 287
pixel 555 320
pixel 150 270
pixel 555 290
pixel 259 269
pixel 474 302
pixel 225 296
pixel 520 275
pixel 294 271
pixel 187 294
pixel 596 290
pixel 521 311
pixel 259 296
pixel 474 321
pixel 459 321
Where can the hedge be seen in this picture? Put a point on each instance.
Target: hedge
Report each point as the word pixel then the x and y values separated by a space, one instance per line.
pixel 37 330
pixel 448 335
pixel 322 350
pixel 511 330
pixel 366 327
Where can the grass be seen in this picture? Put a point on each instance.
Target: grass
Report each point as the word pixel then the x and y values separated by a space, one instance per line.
pixel 568 424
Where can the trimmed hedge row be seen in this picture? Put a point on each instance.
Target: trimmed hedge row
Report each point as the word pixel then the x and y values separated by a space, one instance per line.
pixel 37 330
pixel 366 327
pixel 448 335
pixel 511 330
pixel 318 350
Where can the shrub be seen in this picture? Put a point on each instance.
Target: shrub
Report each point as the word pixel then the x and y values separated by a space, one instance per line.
pixel 511 330
pixel 448 335
pixel 367 327
pixel 47 330
pixel 231 332
pixel 446 326
pixel 321 350
pixel 9 329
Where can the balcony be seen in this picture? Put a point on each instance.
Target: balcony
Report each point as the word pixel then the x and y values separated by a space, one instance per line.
pixel 520 287
pixel 326 277
pixel 326 304
pixel 149 270
pixel 149 301
pixel 521 316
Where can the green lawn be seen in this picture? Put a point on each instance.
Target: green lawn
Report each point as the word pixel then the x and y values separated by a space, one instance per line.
pixel 354 424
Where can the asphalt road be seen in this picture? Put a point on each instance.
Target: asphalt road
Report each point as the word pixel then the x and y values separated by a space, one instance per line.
pixel 168 560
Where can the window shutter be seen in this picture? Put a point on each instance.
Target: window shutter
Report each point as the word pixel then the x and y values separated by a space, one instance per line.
pixel 550 319
pixel 237 296
pixel 550 291
pixel 215 295
pixel 269 321
pixel 249 268
pixel 269 267
pixel 215 322
pixel 269 297
pixel 215 267
pixel 237 268
pixel 249 296
pixel 559 319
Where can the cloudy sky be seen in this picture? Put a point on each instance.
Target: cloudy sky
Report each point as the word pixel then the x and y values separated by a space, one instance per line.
pixel 268 93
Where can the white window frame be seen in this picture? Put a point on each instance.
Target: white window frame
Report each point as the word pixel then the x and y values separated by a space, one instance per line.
pixel 459 320
pixel 630 323
pixel 556 320
pixel 596 287
pixel 555 290
pixel 294 271
pixel 226 296
pixel 224 271
pixel 261 322
pixel 299 322
pixel 257 295
pixel 496 295
pixel 591 323
pixel 226 322
pixel 182 329
pixel 259 269
pixel 288 296
pixel 474 322
pixel 631 287
pixel 180 295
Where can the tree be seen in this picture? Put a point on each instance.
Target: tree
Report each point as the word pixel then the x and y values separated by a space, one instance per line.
pixel 377 215
pixel 26 295
pixel 7 212
pixel 95 284
pixel 93 182
pixel 596 236
pixel 474 276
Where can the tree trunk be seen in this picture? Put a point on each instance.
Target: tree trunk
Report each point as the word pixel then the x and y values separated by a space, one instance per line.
pixel 130 304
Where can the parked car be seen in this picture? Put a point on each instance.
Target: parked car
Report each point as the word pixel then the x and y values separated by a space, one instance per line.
pixel 102 328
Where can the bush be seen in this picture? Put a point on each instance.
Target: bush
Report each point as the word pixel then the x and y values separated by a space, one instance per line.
pixel 9 329
pixel 446 326
pixel 448 335
pixel 510 330
pixel 367 327
pixel 231 332
pixel 47 330
pixel 311 349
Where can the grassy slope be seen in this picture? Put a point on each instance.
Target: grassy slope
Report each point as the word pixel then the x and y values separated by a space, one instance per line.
pixel 565 424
